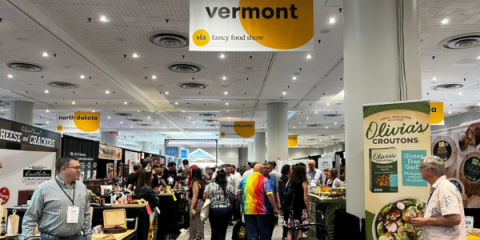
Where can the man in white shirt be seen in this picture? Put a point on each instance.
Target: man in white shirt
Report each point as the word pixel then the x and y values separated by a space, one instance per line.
pixel 232 184
pixel 236 207
pixel 274 173
pixel 247 173
pixel 314 176
pixel 444 217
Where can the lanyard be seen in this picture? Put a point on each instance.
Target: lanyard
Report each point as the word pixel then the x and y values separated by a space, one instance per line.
pixel 431 195
pixel 72 200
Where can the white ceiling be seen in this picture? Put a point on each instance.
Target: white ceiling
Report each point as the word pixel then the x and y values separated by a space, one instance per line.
pixel 96 49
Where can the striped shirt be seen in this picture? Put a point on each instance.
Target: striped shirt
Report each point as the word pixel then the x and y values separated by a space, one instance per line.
pixel 255 189
pixel 48 209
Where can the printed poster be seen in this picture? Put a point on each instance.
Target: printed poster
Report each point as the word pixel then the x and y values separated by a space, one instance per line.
pixel 396 138
pixel 78 122
pixel 459 147
pixel 237 129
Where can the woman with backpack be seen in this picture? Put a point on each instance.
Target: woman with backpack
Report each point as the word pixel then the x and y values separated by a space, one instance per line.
pixel 220 208
pixel 298 204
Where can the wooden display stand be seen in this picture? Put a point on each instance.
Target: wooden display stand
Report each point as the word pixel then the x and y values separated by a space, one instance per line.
pixel 111 218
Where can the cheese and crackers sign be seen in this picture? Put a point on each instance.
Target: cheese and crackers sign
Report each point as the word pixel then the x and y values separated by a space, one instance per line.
pixel 396 138
pixel 251 25
pixel 78 122
pixel 237 129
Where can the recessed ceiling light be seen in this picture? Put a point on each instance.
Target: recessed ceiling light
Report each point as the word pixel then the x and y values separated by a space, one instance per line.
pixel 299 123
pixel 434 79
pixel 293 126
pixel 49 111
pixel 460 93
pixel 154 77
pixel 148 117
pixel 46 90
pixel 108 117
pixel 309 56
pixel 125 103
pixel 328 104
pixel 131 126
pixel 82 77
pixel 48 122
pixel 326 127
pixel 157 122
pixel 107 92
pixel 226 93
pixel 135 55
pixel 73 102
pixel 479 104
pixel 335 123
pixel 332 20
pixel 284 93
pixel 478 57
pixel 449 112
pixel 316 112
pixel 166 93
pixel 121 122
pixel 93 110
pixel 226 103
pixel 45 54
pixel 294 78
pixel 104 19
pixel 222 56
pixel 176 103
pixel 307 118
pixel 445 21
pixel 10 76
pixel 224 78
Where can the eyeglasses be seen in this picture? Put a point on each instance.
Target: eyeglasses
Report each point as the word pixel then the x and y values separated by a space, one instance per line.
pixel 76 168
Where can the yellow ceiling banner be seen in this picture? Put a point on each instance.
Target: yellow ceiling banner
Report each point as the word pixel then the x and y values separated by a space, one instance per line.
pixel 78 122
pixel 237 129
pixel 292 140
pixel 436 113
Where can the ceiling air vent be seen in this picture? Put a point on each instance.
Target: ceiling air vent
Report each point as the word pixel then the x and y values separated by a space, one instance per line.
pixel 314 125
pixel 40 124
pixel 62 85
pixel 192 86
pixel 312 139
pixel 124 114
pixel 448 86
pixel 185 68
pixel 332 115
pixel 207 115
pixel 145 125
pixel 212 125
pixel 210 120
pixel 135 120
pixel 462 42
pixel 25 67
pixel 169 40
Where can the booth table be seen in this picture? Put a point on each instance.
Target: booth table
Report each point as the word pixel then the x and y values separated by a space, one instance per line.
pixel 139 213
pixel 328 207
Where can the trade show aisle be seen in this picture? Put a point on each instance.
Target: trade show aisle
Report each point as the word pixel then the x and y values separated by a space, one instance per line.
pixel 277 232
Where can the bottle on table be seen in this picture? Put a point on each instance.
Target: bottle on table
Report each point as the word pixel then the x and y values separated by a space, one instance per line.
pixel 3 227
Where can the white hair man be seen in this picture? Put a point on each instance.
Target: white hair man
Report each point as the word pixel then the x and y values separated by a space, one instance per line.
pixel 444 217
pixel 314 176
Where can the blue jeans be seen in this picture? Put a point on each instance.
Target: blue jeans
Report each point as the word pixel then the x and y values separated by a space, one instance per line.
pixel 44 236
pixel 257 225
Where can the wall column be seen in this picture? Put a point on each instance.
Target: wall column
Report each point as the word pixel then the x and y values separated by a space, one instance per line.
pixel 21 111
pixel 259 148
pixel 373 74
pixel 277 130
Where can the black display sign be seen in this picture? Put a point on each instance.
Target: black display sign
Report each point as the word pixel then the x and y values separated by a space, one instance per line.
pixel 86 151
pixel 25 134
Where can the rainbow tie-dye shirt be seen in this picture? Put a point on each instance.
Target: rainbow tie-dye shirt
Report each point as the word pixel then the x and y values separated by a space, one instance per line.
pixel 255 189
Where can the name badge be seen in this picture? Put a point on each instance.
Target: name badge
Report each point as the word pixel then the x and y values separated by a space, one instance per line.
pixel 72 214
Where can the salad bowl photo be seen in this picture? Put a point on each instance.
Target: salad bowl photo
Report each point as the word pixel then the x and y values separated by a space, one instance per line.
pixel 393 220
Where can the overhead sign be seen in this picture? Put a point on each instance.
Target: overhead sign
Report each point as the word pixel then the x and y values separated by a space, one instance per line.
pixel 436 113
pixel 396 138
pixel 292 140
pixel 25 134
pixel 251 25
pixel 111 153
pixel 78 122
pixel 172 151
pixel 237 129
pixel 184 153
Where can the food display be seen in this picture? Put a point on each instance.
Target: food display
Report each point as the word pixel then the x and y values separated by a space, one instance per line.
pixel 394 220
